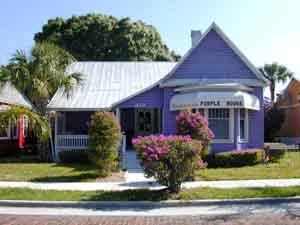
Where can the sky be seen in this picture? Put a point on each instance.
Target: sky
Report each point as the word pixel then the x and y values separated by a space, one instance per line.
pixel 264 30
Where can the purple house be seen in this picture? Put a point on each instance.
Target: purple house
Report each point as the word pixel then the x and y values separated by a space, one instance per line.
pixel 214 78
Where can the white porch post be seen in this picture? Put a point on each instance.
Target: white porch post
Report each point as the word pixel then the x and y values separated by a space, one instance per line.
pixel 238 130
pixel 123 141
pixel 118 114
pixel 55 139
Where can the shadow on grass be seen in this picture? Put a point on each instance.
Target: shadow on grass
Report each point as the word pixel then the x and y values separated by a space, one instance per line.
pixel 67 178
pixel 78 173
pixel 19 159
pixel 129 195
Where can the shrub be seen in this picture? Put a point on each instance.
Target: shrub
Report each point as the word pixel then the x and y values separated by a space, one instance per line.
pixel 237 158
pixel 195 125
pixel 273 119
pixel 169 159
pixel 77 156
pixel 104 140
pixel 273 155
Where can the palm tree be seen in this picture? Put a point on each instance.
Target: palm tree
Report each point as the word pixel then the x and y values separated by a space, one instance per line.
pixel 38 123
pixel 275 73
pixel 39 75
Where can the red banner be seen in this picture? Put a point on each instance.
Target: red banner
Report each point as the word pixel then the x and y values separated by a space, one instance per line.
pixel 21 132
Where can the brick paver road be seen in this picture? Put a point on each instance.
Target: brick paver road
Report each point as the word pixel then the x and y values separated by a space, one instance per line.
pixel 261 219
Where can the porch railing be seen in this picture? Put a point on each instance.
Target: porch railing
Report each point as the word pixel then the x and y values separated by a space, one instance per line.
pixel 69 142
pixel 75 142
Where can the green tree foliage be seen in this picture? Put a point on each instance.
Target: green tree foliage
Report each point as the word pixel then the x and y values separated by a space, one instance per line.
pixel 37 122
pixel 273 120
pixel 101 37
pixel 104 140
pixel 275 73
pixel 40 74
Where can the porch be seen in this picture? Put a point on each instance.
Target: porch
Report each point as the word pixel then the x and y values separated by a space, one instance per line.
pixel 71 130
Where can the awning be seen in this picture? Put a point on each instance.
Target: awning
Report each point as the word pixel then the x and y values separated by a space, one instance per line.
pixel 220 99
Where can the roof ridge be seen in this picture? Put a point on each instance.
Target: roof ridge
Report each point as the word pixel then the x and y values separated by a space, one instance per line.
pixel 125 62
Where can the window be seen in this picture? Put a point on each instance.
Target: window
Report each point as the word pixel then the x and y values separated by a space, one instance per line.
pixel 201 111
pixel 221 122
pixel 243 124
pixel 4 133
pixel 218 120
pixel 14 130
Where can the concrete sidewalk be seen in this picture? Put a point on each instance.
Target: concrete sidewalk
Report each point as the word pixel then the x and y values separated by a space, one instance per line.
pixel 152 185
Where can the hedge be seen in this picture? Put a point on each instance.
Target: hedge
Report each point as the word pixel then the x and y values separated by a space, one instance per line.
pixel 237 158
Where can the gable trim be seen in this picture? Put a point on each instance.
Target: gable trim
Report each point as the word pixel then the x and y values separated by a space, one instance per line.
pixel 235 49
pixel 191 81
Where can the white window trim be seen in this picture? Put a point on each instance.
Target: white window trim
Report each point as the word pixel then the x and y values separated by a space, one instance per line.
pixel 230 140
pixel 246 131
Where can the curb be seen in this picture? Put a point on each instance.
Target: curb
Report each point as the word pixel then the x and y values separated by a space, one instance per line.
pixel 144 204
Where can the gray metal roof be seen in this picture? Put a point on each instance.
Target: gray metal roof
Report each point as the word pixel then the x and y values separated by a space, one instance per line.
pixel 107 83
pixel 10 95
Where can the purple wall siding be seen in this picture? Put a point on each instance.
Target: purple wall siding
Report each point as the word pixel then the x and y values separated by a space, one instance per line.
pixel 222 147
pixel 161 98
pixel 213 58
pixel 152 98
pixel 169 117
pixel 256 123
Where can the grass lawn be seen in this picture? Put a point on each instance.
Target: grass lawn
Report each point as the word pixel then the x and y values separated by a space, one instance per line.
pixel 145 195
pixel 287 167
pixel 26 169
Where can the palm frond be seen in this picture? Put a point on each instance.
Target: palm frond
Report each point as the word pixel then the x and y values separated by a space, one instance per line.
pixel 70 82
pixel 40 124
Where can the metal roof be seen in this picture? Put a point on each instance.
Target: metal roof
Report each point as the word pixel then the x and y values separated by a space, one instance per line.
pixel 10 95
pixel 107 83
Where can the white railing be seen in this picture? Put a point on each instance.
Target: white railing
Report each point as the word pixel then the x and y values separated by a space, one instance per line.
pixel 80 142
pixel 123 151
pixel 72 142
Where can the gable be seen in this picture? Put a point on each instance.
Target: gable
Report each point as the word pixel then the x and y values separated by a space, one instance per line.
pixel 213 58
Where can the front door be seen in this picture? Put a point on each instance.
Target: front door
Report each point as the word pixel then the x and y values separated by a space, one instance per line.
pixel 144 122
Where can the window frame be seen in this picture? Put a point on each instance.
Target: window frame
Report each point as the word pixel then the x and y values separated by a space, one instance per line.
pixel 230 140
pixel 7 132
pixel 246 126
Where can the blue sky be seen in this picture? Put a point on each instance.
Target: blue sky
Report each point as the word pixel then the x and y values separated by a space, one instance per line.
pixel 265 30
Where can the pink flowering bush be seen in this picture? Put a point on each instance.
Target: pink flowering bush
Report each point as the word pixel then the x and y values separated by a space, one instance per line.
pixel 169 159
pixel 195 125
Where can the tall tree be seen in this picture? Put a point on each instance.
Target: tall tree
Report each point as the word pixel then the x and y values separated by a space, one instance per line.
pixel 101 37
pixel 275 73
pixel 40 74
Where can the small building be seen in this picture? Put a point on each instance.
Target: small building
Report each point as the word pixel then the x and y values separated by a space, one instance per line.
pixel 10 96
pixel 213 77
pixel 289 102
